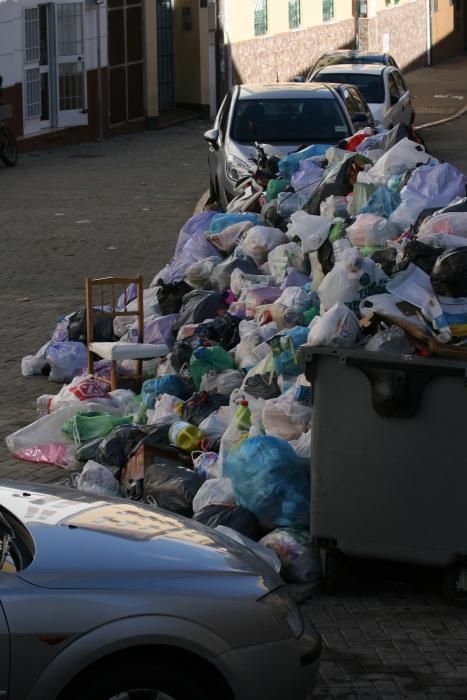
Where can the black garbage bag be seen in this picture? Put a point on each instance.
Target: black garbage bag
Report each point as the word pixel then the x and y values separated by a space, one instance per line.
pixel 103 328
pixel 262 386
pixel 422 255
pixel 238 518
pixel 449 274
pixel 172 486
pixel 221 274
pixel 88 450
pixel 115 449
pixel 222 330
pixel 170 296
pixel 386 259
pixel 198 306
pixel 201 405
pixel 182 352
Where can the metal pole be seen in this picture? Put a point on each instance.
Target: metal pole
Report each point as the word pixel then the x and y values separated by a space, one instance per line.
pixel 100 125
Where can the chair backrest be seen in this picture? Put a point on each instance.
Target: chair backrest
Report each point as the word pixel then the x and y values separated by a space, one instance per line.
pixel 110 297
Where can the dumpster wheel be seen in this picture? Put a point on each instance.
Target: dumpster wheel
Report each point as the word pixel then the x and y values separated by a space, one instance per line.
pixel 330 570
pixel 455 585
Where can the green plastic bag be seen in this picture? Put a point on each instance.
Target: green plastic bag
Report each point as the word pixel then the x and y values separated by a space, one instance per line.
pixel 89 425
pixel 209 359
pixel 276 186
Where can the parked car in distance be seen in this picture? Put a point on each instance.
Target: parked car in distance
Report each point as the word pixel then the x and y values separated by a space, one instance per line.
pixel 383 87
pixel 104 598
pixel 333 58
pixel 283 117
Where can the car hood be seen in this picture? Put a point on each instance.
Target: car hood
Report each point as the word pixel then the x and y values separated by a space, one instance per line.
pixel 246 152
pixel 84 542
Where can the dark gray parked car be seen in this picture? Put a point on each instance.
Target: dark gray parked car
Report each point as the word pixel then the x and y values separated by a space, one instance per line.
pixel 106 599
pixel 283 117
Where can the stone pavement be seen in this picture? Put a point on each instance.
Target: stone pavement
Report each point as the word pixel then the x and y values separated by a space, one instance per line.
pixel 440 91
pixel 116 208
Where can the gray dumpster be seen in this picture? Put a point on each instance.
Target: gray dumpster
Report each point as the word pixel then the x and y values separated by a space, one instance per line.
pixel 389 455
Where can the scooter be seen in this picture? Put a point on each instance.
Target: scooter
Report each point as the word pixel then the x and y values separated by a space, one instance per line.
pixel 251 188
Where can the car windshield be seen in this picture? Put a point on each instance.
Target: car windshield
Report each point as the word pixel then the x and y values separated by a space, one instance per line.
pixel 285 120
pixel 371 86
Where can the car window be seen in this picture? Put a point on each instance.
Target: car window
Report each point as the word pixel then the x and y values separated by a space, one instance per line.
pixel 393 89
pixel 350 103
pixel 224 116
pixel 401 86
pixel 371 86
pixel 284 120
pixel 358 99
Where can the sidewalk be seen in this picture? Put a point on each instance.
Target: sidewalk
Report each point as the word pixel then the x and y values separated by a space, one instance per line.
pixel 438 92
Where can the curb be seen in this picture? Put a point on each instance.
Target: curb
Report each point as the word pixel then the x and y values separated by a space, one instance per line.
pixel 201 202
pixel 440 122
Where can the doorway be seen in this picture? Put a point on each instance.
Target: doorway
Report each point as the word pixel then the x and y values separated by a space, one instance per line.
pixel 126 88
pixel 165 55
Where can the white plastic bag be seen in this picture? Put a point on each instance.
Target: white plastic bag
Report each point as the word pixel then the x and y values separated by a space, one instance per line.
pixel 414 285
pixel 150 308
pixel 391 305
pixel 302 445
pixel 240 281
pixel 259 550
pixel 351 280
pixel 199 273
pixel 452 223
pixel 406 154
pixel 215 425
pixel 260 240
pixel 221 382
pixel 34 364
pixel 310 229
pixel 296 298
pixel 370 229
pixel 286 418
pixel 229 237
pixel 300 559
pixel 214 492
pixel 284 257
pixel 66 360
pixel 95 478
pixel 337 328
pixel 166 410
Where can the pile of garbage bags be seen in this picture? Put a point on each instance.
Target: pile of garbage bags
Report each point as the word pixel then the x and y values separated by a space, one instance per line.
pixel 363 245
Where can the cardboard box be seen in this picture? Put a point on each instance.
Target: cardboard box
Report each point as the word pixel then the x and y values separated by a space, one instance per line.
pixel 144 454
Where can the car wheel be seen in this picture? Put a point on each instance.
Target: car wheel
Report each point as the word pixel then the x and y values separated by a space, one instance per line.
pixel 142 680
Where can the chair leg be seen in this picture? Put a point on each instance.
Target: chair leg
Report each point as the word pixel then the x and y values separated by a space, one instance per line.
pixel 139 376
pixel 113 376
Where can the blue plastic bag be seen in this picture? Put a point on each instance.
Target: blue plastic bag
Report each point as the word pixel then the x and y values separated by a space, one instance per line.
pixel 382 202
pixel 284 347
pixel 271 481
pixel 220 221
pixel 289 165
pixel 169 384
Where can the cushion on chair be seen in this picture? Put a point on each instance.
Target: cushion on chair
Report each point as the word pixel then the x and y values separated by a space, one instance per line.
pixel 128 351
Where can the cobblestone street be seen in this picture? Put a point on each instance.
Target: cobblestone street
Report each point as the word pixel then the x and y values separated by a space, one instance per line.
pixel 116 208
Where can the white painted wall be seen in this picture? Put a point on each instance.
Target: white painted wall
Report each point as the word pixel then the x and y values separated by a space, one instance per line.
pixel 11 38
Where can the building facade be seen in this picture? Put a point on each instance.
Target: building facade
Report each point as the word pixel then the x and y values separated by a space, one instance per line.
pixel 80 69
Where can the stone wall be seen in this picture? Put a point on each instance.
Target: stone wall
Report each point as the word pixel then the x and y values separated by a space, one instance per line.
pixel 401 30
pixel 280 57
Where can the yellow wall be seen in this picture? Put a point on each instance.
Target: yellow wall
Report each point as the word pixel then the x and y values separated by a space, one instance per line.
pixel 187 55
pixel 240 16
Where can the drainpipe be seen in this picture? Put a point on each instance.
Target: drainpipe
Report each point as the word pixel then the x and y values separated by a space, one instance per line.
pixel 220 53
pixel 100 115
pixel 429 32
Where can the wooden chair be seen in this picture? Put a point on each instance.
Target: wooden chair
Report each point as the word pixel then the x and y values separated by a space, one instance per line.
pixel 108 290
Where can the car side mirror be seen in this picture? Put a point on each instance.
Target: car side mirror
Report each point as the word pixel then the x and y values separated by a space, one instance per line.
pixel 394 99
pixel 359 118
pixel 299 79
pixel 212 137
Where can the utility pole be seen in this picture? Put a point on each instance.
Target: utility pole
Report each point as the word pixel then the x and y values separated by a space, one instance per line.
pixel 100 119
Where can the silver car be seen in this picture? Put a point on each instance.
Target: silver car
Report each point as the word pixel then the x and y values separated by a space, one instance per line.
pixel 283 117
pixel 104 598
pixel 383 87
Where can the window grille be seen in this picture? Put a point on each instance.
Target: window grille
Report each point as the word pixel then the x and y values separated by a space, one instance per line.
pixel 328 10
pixel 294 14
pixel 33 93
pixel 261 17
pixel 31 34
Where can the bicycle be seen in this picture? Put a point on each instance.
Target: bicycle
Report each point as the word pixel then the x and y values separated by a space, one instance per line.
pixel 8 148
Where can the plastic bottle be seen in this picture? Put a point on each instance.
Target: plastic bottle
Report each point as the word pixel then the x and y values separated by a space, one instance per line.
pixel 236 433
pixel 243 416
pixel 43 404
pixel 185 436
